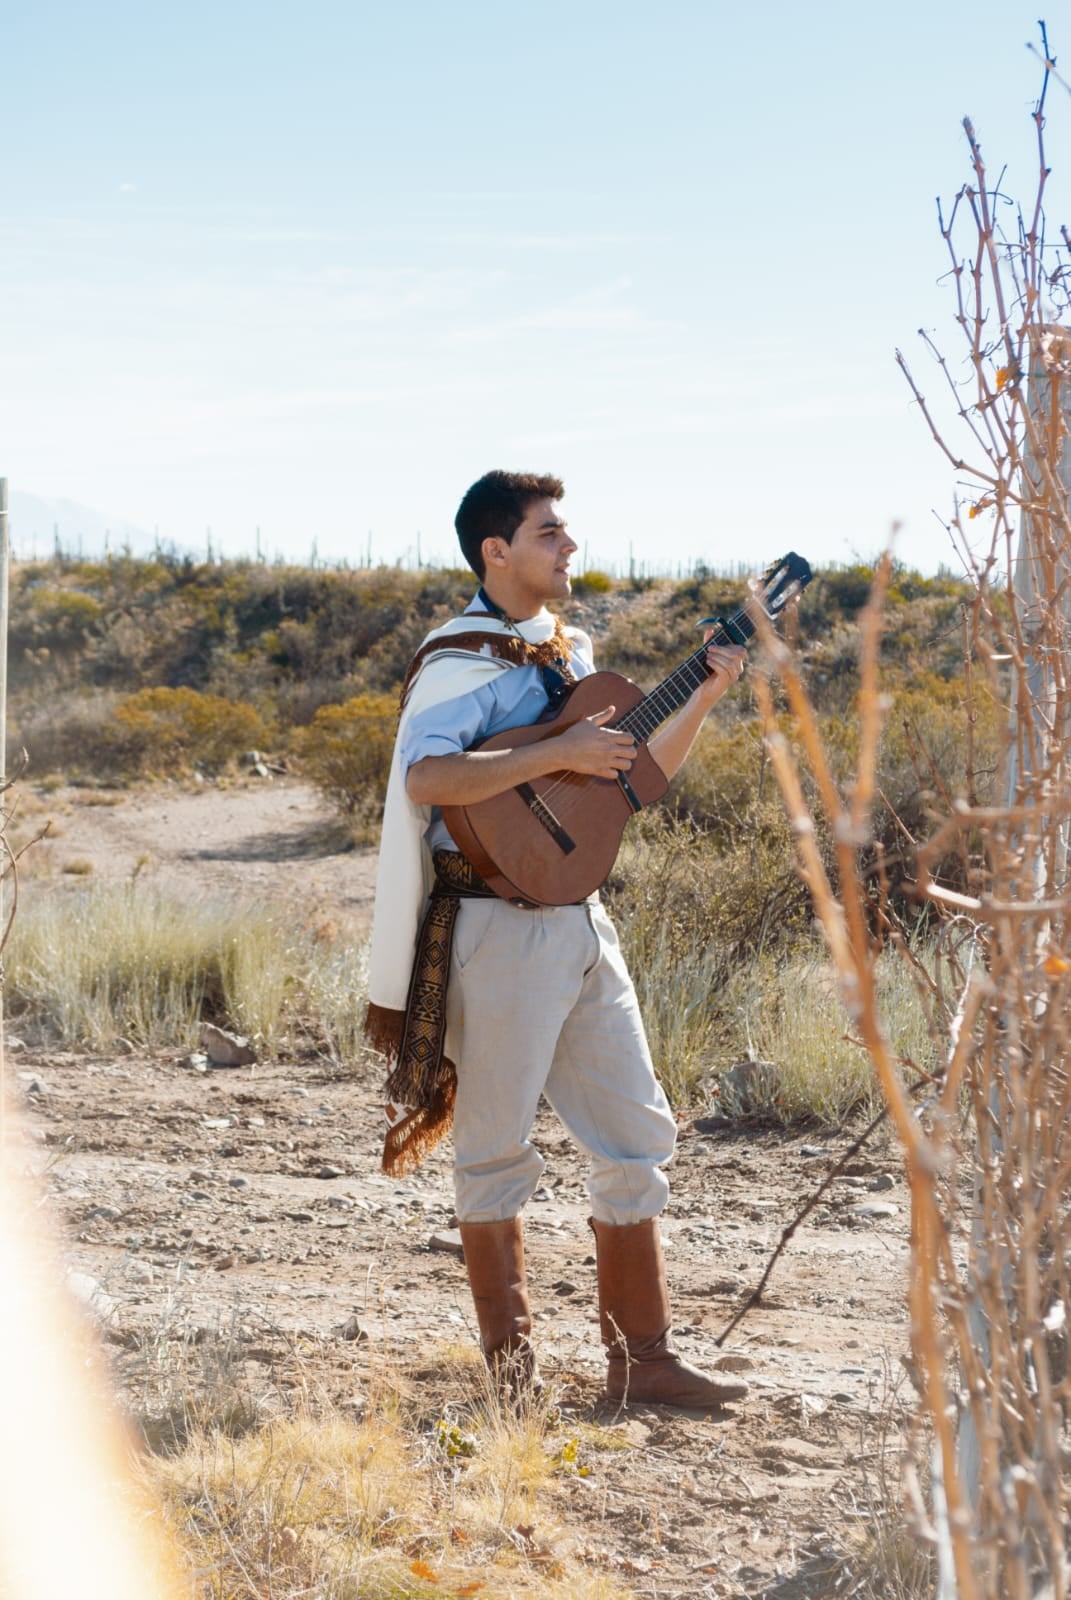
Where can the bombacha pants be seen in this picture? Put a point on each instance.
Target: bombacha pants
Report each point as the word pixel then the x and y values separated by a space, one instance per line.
pixel 540 1002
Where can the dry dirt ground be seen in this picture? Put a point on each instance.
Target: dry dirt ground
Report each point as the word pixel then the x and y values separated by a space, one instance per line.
pixel 246 1206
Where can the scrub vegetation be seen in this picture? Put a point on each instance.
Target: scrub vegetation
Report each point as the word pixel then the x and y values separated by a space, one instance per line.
pixel 125 671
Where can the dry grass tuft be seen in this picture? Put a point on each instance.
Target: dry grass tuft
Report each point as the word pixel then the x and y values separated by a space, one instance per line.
pixel 123 962
pixel 431 1489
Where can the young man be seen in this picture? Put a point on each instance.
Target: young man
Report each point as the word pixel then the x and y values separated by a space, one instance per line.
pixel 526 1001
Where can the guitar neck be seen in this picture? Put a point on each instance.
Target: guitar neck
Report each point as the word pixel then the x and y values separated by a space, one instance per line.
pixel 682 682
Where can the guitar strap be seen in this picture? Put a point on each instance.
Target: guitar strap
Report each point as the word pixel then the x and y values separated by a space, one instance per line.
pixel 551 657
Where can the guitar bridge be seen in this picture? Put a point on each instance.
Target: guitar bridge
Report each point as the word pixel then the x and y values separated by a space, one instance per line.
pixel 543 814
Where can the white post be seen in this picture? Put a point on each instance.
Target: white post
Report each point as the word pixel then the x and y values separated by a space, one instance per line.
pixel 1041 574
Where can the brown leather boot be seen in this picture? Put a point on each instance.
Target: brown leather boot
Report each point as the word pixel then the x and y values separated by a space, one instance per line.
pixel 634 1318
pixel 494 1260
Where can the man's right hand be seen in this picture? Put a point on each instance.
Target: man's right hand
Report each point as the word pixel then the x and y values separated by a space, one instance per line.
pixel 464 778
pixel 589 746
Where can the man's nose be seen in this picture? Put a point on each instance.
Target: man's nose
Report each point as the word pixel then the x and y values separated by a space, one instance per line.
pixel 569 544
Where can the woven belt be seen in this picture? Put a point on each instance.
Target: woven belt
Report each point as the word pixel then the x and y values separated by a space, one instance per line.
pixel 454 876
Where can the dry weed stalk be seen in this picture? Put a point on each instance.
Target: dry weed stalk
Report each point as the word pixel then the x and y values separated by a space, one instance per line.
pixel 989 1158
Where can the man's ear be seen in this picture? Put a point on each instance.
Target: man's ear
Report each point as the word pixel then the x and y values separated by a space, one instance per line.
pixel 494 552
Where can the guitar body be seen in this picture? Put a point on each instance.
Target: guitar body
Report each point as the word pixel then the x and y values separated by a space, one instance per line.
pixel 554 841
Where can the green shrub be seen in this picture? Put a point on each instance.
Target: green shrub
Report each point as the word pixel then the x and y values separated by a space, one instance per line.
pixel 158 730
pixel 593 582
pixel 346 751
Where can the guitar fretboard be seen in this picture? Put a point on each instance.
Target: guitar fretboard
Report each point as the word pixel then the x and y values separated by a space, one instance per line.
pixel 673 691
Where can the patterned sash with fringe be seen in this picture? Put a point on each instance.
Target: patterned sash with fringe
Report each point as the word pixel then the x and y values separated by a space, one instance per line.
pixel 422 1086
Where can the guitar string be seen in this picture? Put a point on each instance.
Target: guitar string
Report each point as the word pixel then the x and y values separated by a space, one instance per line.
pixel 661 700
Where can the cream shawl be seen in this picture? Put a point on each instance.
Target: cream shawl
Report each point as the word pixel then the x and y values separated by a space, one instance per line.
pixel 404 877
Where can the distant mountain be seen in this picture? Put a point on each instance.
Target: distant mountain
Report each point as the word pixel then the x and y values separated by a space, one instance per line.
pixel 38 523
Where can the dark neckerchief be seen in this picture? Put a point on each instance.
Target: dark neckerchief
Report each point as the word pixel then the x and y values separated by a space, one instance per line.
pixel 557 679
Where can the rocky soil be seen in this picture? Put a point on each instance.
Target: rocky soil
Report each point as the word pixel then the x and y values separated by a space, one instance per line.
pixel 244 1209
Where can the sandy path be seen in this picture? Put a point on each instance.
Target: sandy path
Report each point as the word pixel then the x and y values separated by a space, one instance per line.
pixel 273 838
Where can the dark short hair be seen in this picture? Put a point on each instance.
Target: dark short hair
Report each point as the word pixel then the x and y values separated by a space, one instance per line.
pixel 495 507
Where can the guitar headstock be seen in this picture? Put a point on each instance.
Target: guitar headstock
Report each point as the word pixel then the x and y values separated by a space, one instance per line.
pixel 781 583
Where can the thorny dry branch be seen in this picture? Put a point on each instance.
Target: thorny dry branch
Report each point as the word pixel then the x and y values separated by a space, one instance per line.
pixel 988 1157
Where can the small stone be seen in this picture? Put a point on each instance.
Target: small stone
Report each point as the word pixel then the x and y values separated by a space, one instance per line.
pixel 299 1216
pixel 141 1272
pixel 328 1171
pixel 196 1061
pixel 298 1092
pixel 14 1045
pixel 734 1364
pixel 93 1296
pixel 199 1194
pixel 883 1181
pixel 259 770
pixel 449 1242
pixel 238 1183
pixel 225 1049
pixel 104 1214
pixel 876 1208
pixel 564 1287
pixel 341 1202
pixel 37 1086
pixel 814 1150
pixel 218 1122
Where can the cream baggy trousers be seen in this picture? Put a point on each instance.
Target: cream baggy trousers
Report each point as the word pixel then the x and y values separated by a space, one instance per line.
pixel 540 1002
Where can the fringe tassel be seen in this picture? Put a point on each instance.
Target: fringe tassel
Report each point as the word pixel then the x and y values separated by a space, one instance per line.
pixel 409 1141
pixel 383 1029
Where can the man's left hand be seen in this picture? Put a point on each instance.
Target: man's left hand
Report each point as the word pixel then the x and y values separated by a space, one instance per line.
pixel 726 663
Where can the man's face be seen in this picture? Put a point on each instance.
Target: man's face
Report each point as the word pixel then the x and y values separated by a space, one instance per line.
pixel 537 559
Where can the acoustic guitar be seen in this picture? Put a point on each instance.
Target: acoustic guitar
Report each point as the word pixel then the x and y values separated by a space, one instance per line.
pixel 554 841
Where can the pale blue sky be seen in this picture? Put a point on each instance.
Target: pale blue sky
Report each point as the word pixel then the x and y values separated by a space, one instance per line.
pixel 315 267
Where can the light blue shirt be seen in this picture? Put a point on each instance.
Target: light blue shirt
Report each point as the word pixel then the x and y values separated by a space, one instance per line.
pixel 515 699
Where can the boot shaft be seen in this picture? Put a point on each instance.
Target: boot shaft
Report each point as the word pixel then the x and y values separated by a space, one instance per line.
pixel 634 1309
pixel 494 1261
